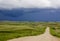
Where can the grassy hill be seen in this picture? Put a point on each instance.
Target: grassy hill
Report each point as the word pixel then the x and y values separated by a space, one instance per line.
pixel 10 30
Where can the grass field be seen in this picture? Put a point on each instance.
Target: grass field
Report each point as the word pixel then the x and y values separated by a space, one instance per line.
pixel 55 29
pixel 10 30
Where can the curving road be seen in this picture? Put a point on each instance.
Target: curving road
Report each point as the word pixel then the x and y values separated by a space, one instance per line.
pixel 44 37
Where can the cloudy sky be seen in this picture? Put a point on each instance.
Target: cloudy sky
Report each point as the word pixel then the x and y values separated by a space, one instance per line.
pixel 29 3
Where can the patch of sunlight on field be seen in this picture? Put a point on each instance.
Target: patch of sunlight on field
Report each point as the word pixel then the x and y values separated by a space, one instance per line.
pixel 14 27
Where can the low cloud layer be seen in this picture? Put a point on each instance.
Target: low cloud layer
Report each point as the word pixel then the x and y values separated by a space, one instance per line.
pixel 29 3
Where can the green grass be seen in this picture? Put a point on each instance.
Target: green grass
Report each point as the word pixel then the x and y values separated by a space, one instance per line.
pixel 55 29
pixel 10 30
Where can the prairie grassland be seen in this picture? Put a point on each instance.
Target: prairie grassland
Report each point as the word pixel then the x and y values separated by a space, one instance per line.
pixel 10 30
pixel 55 29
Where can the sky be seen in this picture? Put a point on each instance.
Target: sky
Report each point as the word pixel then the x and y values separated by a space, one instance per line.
pixel 29 3
pixel 30 10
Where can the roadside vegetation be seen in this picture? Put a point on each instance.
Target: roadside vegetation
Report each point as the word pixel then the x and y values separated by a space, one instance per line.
pixel 10 30
pixel 55 29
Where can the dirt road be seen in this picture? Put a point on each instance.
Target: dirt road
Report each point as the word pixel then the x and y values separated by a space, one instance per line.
pixel 44 37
